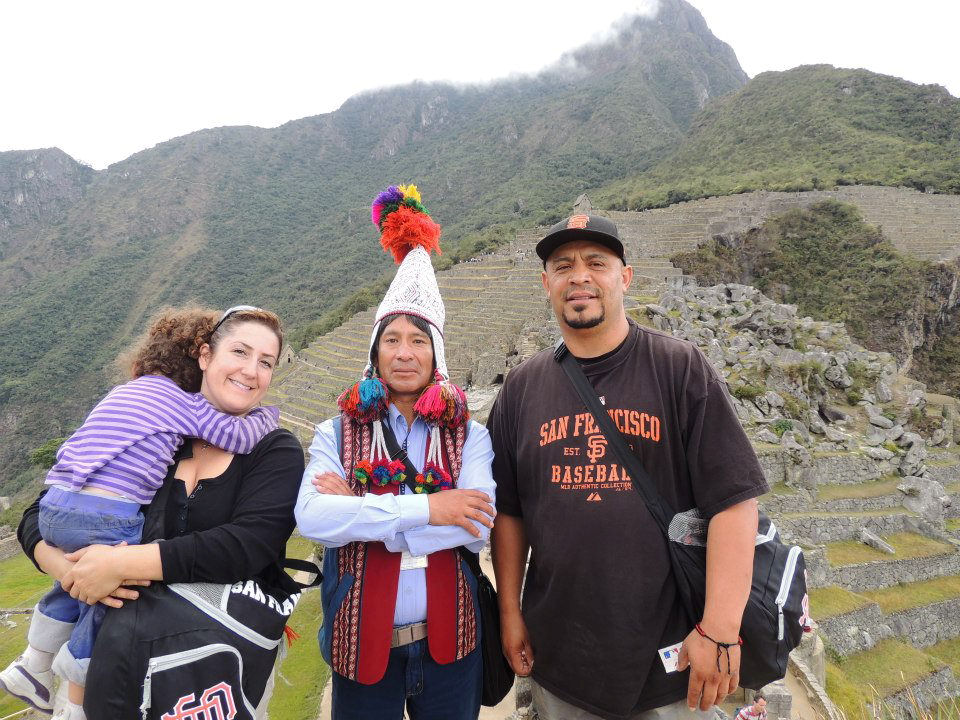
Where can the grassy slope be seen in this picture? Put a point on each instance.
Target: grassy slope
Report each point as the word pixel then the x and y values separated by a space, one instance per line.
pixel 888 667
pixel 831 601
pixel 20 586
pixel 12 642
pixel 303 673
pixel 873 489
pixel 813 126
pixel 910 595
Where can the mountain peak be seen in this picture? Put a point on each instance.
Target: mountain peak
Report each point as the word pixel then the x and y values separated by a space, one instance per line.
pixel 38 185
pixel 641 37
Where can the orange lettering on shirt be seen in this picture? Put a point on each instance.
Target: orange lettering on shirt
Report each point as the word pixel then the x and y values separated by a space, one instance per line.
pixel 577 421
pixel 589 427
pixel 614 415
pixel 543 435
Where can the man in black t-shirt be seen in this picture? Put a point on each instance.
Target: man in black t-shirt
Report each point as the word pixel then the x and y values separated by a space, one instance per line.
pixel 599 601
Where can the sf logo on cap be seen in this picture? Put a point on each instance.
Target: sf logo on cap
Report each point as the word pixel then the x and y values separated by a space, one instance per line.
pixel 578 222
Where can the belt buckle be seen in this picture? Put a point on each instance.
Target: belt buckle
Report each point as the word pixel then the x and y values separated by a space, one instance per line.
pixel 405 635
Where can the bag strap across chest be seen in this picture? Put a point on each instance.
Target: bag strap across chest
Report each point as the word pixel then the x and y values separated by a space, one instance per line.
pixel 641 481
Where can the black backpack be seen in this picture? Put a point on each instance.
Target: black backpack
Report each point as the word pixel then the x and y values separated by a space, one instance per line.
pixel 191 650
pixel 775 616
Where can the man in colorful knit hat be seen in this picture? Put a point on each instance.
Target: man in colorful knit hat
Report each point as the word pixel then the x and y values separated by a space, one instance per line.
pixel 396 486
pixel 601 624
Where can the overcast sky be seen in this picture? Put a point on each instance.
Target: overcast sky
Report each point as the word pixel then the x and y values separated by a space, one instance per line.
pixel 102 80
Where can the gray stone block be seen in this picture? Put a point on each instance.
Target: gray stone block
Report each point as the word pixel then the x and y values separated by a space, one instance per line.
pixel 855 631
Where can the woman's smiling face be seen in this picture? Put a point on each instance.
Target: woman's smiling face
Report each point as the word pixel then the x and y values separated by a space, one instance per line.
pixel 237 373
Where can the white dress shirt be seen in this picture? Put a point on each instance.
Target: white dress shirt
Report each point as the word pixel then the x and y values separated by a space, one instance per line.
pixel 401 521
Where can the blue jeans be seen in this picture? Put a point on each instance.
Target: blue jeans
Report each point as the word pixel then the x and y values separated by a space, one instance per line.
pixel 70 521
pixel 412 679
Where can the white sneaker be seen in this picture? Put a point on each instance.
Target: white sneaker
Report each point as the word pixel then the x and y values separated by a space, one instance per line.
pixel 32 688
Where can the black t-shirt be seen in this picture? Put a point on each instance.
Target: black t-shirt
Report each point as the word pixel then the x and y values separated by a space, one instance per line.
pixel 599 598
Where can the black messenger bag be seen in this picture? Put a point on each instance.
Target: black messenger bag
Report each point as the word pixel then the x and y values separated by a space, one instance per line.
pixel 498 676
pixel 775 616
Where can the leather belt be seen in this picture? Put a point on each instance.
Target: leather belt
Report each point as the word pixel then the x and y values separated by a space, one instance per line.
pixel 407 634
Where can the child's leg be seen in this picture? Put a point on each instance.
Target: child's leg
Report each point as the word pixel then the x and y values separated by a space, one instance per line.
pixel 73 659
pixel 28 677
pixel 73 710
pixel 37 661
pixel 77 520
pixel 53 619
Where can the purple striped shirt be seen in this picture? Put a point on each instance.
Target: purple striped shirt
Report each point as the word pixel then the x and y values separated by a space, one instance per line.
pixel 128 440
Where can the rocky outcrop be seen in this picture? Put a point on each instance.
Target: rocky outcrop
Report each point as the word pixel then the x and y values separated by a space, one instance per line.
pixel 37 186
pixel 790 376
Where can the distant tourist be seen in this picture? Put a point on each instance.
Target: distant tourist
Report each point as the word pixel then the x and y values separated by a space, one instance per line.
pixel 397 485
pixel 757 711
pixel 600 626
pixel 195 376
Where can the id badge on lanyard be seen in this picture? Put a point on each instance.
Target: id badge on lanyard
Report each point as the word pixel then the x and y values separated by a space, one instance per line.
pixel 408 561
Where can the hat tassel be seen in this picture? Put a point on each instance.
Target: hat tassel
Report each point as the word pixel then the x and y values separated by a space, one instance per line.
pixel 366 400
pixel 442 403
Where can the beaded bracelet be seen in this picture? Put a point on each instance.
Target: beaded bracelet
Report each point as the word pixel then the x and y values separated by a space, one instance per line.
pixel 721 646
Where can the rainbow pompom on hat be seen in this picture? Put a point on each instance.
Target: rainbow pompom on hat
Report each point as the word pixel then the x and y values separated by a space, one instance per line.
pixel 409 233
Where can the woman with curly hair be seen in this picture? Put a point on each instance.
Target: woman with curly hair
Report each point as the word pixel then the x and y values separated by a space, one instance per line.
pixel 194 376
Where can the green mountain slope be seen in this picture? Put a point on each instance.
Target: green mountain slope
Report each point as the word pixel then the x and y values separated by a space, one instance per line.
pixel 810 127
pixel 279 217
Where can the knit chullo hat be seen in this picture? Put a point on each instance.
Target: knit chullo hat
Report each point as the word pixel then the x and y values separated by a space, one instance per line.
pixel 409 233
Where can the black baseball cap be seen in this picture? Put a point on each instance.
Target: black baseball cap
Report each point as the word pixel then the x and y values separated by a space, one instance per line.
pixel 594 228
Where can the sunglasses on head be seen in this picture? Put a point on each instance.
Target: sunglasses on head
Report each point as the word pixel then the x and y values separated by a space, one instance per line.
pixel 231 311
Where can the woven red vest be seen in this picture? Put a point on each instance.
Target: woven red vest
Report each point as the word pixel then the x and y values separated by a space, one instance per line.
pixel 363 624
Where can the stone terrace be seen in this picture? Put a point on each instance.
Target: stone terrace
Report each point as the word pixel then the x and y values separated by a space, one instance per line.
pixel 492 298
pixel 925 225
pixel 877 609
